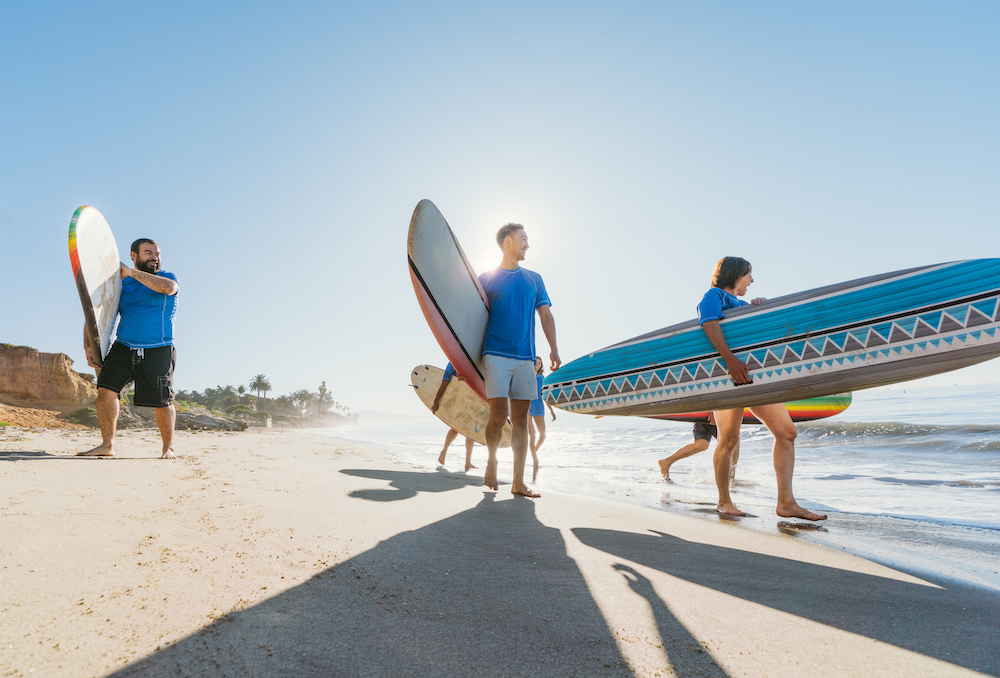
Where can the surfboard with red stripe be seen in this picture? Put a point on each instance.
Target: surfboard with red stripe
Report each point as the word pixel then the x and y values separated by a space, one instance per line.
pixel 453 301
pixel 93 254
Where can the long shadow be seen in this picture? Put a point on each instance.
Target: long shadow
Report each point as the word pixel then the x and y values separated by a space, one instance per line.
pixel 956 624
pixel 407 484
pixel 487 592
pixel 25 455
pixel 36 455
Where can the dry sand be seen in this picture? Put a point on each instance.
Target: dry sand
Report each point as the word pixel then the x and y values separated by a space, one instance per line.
pixel 281 553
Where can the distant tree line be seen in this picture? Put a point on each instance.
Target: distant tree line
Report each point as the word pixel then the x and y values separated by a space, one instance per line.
pixel 253 401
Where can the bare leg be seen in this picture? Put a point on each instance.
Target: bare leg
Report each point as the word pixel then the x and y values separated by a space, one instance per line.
pixel 780 424
pixel 494 431
pixel 736 458
pixel 540 425
pixel 449 438
pixel 531 436
pixel 107 416
pixel 165 422
pixel 519 445
pixel 728 422
pixel 699 445
pixel 469 442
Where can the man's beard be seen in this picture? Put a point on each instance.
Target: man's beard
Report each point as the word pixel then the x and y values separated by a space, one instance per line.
pixel 147 267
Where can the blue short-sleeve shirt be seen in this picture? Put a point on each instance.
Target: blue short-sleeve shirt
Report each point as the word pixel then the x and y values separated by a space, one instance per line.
pixel 714 304
pixel 514 296
pixel 147 317
pixel 449 372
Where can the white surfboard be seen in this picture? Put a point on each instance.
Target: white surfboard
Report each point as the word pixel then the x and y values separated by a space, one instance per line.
pixel 448 290
pixel 93 253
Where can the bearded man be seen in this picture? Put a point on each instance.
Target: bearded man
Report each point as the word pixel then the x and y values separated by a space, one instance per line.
pixel 143 351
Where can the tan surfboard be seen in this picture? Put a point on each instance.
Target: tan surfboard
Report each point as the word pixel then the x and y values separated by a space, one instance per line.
pixel 460 407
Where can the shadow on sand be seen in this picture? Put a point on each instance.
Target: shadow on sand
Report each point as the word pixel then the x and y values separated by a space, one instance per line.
pixel 487 592
pixel 956 624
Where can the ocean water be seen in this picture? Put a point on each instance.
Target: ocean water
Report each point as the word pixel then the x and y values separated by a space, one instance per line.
pixel 903 463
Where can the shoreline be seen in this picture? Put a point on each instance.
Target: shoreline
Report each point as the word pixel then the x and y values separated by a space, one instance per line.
pixel 283 552
pixel 929 548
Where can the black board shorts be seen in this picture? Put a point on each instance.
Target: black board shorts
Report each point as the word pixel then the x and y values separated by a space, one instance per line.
pixel 705 431
pixel 152 370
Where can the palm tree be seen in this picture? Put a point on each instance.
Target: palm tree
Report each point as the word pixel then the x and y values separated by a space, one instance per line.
pixel 260 384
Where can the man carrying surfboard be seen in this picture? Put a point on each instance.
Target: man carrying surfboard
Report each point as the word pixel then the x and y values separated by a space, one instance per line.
pixel 730 280
pixel 515 295
pixel 143 352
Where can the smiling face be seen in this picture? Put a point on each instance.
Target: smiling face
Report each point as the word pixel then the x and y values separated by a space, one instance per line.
pixel 539 365
pixel 147 258
pixel 743 283
pixel 515 244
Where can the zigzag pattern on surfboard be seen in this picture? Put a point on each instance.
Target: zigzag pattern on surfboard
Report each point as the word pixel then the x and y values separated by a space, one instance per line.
pixel 962 326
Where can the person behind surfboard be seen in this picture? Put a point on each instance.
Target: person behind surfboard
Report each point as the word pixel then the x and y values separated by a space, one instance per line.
pixel 703 433
pixel 449 438
pixel 515 295
pixel 730 280
pixel 536 413
pixel 143 351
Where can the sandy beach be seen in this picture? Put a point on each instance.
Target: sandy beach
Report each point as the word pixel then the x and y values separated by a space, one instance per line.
pixel 283 553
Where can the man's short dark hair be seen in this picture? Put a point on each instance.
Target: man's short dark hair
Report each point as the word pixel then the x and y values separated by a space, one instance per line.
pixel 138 243
pixel 506 230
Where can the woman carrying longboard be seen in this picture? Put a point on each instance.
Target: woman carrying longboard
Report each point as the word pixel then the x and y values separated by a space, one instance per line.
pixel 730 280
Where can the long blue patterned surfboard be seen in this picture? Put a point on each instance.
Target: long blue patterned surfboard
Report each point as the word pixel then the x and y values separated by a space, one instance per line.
pixel 860 334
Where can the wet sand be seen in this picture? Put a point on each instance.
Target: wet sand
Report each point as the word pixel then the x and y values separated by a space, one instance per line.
pixel 280 553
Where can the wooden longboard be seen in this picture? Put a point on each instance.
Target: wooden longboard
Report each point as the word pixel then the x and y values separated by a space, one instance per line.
pixel 449 293
pixel 800 410
pixel 94 256
pixel 460 407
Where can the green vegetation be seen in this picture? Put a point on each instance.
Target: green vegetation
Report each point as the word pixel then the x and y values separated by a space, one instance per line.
pixel 302 405
pixel 87 416
pixel 3 423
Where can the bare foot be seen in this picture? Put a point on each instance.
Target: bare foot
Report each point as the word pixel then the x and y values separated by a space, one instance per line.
pixel 490 476
pixel 525 491
pixel 168 454
pixel 99 451
pixel 664 468
pixel 728 510
pixel 469 467
pixel 795 511
pixel 441 458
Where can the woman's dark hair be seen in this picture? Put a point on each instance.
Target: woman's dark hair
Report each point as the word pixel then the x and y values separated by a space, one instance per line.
pixel 728 271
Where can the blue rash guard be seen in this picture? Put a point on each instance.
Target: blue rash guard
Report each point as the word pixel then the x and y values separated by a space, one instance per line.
pixel 147 317
pixel 449 372
pixel 714 304
pixel 514 296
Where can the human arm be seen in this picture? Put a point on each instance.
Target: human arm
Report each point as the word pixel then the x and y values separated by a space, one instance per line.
pixel 157 283
pixel 549 328
pixel 737 368
pixel 551 411
pixel 437 396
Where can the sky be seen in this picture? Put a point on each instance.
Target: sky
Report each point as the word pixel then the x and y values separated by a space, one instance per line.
pixel 276 152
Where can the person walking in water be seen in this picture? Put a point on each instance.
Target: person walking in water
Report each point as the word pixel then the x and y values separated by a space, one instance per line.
pixel 449 438
pixel 143 351
pixel 703 433
pixel 536 413
pixel 730 280
pixel 515 295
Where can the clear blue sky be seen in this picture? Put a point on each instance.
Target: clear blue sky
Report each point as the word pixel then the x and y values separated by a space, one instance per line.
pixel 276 152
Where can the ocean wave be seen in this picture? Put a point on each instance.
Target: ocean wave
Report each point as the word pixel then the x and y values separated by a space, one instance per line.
pixel 969 437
